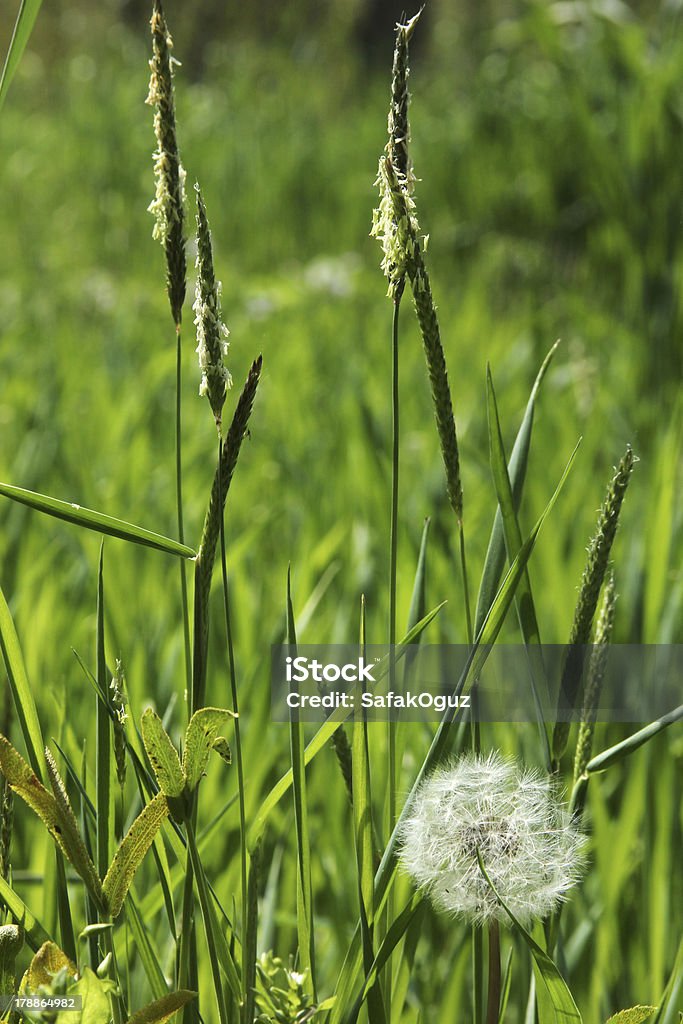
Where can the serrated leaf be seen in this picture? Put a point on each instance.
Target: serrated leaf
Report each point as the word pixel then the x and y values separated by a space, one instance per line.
pixel 222 748
pixel 55 814
pixel 76 850
pixel 162 755
pixel 202 734
pixel 48 961
pixel 163 1009
pixel 131 852
pixel 634 1015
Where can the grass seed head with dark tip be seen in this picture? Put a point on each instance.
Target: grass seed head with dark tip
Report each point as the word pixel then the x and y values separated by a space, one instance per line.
pixel 591 583
pixel 596 674
pixel 168 205
pixel 212 334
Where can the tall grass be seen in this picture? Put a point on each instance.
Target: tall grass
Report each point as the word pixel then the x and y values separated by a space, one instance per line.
pixel 271 886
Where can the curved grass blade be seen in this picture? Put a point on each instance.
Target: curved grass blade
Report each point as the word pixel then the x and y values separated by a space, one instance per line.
pixel 621 750
pixel 145 949
pixel 97 521
pixel 131 852
pixel 566 1010
pixel 524 600
pixel 24 703
pixel 495 553
pixel 28 12
pixel 326 731
pixel 104 822
pixel 163 1009
pixel 34 932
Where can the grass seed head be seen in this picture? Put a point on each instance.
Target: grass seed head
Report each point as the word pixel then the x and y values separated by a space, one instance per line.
pixel 531 850
pixel 212 334
pixel 168 204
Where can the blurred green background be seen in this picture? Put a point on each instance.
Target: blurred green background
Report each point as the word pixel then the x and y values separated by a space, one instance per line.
pixel 548 140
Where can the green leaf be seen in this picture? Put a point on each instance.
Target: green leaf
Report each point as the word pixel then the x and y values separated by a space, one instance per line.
pixel 54 811
pixel 524 600
pixel 97 521
pixel 22 693
pixel 621 750
pixel 28 11
pixel 104 822
pixel 163 1009
pixel 495 553
pixel 74 847
pixel 36 934
pixel 566 1010
pixel 162 755
pixel 95 993
pixel 47 962
pixel 144 948
pixel 131 852
pixel 202 736
pixel 635 1015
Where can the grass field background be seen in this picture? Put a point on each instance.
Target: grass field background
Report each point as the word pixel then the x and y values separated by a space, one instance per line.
pixel 548 140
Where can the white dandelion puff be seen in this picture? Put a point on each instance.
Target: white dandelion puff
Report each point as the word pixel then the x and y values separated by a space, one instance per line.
pixel 531 850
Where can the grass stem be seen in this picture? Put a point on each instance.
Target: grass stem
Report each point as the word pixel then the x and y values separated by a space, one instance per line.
pixel 181 524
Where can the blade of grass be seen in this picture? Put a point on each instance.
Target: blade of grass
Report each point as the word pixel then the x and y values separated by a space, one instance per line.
pixel 607 758
pixel 363 835
pixel 103 770
pixel 97 521
pixel 325 732
pixel 145 949
pixel 304 888
pixel 251 936
pixel 22 693
pixel 36 933
pixel 524 600
pixel 495 553
pixel 566 1010
pixel 490 628
pixel 28 12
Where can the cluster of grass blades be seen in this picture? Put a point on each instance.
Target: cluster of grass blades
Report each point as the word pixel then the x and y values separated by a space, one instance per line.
pixel 146 794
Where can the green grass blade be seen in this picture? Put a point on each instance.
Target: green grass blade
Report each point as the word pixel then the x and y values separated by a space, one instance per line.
pixel 97 521
pixel 66 925
pixel 325 733
pixel 621 750
pixel 145 949
pixel 251 936
pixel 28 12
pixel 566 1010
pixel 105 808
pixel 363 833
pixel 524 600
pixel 22 694
pixel 487 635
pixel 35 932
pixel 304 888
pixel 495 553
pixel 219 950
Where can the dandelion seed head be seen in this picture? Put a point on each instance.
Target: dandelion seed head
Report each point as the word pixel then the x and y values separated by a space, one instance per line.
pixel 532 852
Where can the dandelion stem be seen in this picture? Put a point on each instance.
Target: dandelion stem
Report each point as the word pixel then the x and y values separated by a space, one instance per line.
pixel 494 974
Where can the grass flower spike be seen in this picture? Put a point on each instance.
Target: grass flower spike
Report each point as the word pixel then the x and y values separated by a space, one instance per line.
pixel 169 201
pixel 530 848
pixel 212 334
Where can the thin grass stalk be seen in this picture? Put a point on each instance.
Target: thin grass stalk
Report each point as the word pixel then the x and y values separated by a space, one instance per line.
pixel 238 740
pixel 185 606
pixel 207 911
